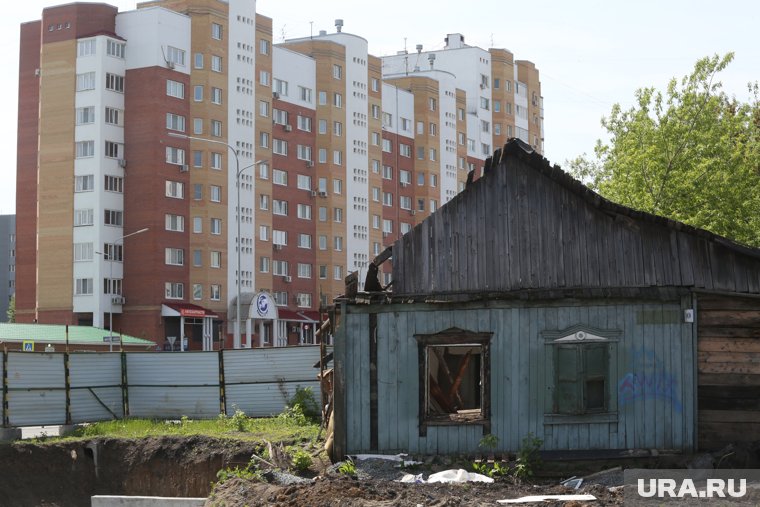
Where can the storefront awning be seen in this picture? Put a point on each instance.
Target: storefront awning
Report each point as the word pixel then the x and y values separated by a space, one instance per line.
pixel 186 310
pixel 303 316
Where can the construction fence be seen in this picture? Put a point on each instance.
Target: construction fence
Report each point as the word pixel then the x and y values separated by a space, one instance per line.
pixel 41 388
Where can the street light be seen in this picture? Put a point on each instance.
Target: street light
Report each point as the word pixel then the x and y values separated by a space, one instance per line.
pixel 111 284
pixel 236 340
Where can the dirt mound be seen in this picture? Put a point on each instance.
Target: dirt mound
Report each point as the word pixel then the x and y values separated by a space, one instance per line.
pixel 376 493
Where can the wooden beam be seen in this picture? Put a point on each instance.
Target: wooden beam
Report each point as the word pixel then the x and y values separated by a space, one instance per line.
pixel 462 368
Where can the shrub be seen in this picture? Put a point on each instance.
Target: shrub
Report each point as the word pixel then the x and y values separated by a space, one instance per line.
pixel 348 468
pixel 304 396
pixel 528 458
pixel 301 459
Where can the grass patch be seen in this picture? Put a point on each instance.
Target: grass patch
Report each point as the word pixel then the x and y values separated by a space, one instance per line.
pixel 237 426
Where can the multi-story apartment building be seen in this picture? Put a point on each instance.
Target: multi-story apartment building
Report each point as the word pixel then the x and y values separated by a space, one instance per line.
pixel 7 262
pixel 166 154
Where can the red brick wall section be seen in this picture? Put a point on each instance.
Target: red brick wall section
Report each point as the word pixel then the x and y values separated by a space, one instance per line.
pixel 26 172
pixel 145 200
pixel 77 20
pixel 295 196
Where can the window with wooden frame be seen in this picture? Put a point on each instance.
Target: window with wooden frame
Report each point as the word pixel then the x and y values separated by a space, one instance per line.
pixel 454 378
pixel 581 374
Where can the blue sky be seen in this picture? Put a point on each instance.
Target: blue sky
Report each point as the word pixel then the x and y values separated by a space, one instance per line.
pixel 590 54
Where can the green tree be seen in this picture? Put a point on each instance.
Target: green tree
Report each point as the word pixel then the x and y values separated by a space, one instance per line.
pixel 691 154
pixel 11 312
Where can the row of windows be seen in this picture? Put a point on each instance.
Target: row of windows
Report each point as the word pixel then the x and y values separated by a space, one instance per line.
pixel 176 223
pixel 112 116
pixel 85 217
pixel 86 183
pixel 88 47
pixel 86 81
pixel 86 149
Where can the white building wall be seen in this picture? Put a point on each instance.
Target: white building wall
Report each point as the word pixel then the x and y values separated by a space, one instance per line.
pixel 149 32
pixel 98 166
pixel 447 126
pixel 240 100
pixel 355 157
pixel 298 70
pixel 399 103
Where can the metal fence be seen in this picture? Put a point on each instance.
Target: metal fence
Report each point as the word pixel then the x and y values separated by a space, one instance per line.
pixel 65 388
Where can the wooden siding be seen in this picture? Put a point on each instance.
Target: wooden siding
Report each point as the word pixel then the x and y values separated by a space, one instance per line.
pixel 528 226
pixel 729 371
pixel 654 351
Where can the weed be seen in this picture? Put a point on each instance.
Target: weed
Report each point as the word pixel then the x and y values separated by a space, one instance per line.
pixel 489 442
pixel 304 397
pixel 239 420
pixel 301 459
pixel 294 415
pixel 528 458
pixel 348 467
pixel 493 471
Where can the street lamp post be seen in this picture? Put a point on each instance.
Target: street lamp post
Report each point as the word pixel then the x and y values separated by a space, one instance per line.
pixel 111 284
pixel 238 171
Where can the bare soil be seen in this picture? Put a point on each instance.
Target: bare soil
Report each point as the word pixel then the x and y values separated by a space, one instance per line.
pixel 345 491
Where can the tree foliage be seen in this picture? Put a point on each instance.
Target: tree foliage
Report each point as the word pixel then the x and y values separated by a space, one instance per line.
pixel 691 154
pixel 11 311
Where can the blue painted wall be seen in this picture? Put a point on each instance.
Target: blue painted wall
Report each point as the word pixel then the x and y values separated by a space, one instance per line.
pixel 652 384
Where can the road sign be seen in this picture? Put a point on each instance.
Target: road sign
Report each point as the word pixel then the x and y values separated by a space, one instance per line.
pixel 27 346
pixel 112 339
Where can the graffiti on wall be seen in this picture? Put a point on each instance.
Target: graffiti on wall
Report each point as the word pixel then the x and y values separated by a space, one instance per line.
pixel 649 379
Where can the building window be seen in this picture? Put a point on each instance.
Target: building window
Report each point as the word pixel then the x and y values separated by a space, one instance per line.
pixel 113 217
pixel 175 223
pixel 197 191
pixel 304 270
pixel 198 93
pixel 215 292
pixel 432 104
pixel 280 299
pixel 215 193
pixel 175 56
pixel 304 211
pixel 305 94
pixel 264 264
pixel 264 46
pixel 86 47
pixel 375 84
pixel 216 259
pixel 454 378
pixel 175 122
pixel 264 78
pixel 175 155
pixel 83 286
pixel 197 125
pixel 304 182
pixel 338 272
pixel 85 149
pixel 114 82
pixel 303 300
pixel 216 63
pixel 279 177
pixel 304 152
pixel 197 158
pixel 279 116
pixel 198 60
pixel 264 108
pixel 280 207
pixel 175 256
pixel 197 225
pixel 174 290
pixel 113 252
pixel 304 241
pixel 216 95
pixel 264 202
pixel 337 71
pixel 85 115
pixel 337 100
pixel 322 242
pixel 338 215
pixel 264 232
pixel 85 81
pixel 216 31
pixel 581 370
pixel 405 150
pixel 197 291
pixel 280 268
pixel 175 89
pixel 197 258
pixel 175 189
pixel 216 226
pixel 280 86
pixel 387 146
pixel 83 252
pixel 83 217
pixel 113 150
pixel 280 147
pixel 116 117
pixel 216 128
pixel 84 183
pixel 216 161
pixel 280 237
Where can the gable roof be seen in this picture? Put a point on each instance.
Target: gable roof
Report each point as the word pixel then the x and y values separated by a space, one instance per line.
pixel 528 226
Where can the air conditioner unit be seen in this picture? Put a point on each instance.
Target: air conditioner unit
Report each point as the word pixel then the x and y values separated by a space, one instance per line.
pixel 313 193
pixel 288 128
pixel 275 95
pixel 118 300
pixel 184 168
pixel 322 193
pixel 37 72
pixel 386 234
pixel 414 212
pixel 277 246
pixel 404 184
pixel 170 65
pixel 309 163
pixel 122 163
pixel 287 278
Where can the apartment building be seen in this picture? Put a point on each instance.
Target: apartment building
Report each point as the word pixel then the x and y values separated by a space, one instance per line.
pixel 503 95
pixel 8 259
pixel 199 154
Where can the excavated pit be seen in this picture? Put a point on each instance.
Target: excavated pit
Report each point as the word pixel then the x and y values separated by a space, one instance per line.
pixel 64 474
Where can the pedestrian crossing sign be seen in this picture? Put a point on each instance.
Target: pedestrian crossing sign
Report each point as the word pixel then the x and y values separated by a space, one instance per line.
pixel 28 346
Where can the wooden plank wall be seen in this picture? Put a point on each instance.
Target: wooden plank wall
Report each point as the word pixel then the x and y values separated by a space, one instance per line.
pixel 654 354
pixel 729 370
pixel 520 228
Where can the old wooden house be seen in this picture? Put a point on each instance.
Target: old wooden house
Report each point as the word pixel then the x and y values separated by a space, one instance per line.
pixel 530 304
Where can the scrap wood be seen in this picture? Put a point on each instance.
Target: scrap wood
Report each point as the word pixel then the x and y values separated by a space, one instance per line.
pixel 438 395
pixel 442 363
pixel 462 368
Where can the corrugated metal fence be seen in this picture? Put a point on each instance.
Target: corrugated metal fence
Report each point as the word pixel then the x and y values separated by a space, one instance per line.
pixel 66 388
